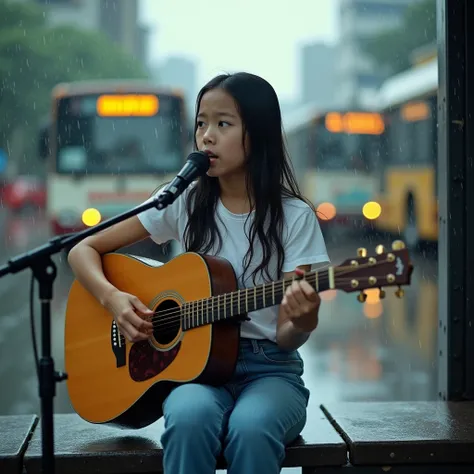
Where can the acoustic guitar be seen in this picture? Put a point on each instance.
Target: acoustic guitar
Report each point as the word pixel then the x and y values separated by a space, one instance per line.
pixel 197 313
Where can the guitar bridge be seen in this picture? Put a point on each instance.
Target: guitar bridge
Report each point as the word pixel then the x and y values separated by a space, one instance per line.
pixel 117 342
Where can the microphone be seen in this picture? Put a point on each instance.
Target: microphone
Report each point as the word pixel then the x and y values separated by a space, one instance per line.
pixel 196 165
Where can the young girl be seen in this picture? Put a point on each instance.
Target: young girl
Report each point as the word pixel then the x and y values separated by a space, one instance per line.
pixel 246 209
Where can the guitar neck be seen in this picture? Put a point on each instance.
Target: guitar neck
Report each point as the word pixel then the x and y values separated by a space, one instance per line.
pixel 231 305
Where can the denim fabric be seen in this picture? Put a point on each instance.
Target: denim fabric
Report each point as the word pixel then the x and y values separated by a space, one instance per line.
pixel 249 420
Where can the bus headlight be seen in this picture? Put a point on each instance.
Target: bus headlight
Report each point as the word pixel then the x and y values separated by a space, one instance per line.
pixel 372 210
pixel 91 217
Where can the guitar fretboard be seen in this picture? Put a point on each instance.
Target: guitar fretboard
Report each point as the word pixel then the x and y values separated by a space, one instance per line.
pixel 234 304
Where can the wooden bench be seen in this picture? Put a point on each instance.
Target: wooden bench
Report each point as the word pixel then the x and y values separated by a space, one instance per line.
pixel 406 437
pixel 15 432
pixel 84 448
pixel 359 437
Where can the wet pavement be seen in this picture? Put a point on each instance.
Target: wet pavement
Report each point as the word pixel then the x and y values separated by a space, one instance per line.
pixel 378 350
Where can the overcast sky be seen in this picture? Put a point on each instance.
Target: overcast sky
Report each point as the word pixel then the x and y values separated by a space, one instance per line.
pixel 259 36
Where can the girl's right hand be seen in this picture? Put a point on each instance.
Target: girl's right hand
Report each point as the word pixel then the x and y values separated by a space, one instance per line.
pixel 124 308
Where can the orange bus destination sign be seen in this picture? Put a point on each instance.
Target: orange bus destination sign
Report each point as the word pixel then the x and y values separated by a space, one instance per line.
pixel 127 105
pixel 367 123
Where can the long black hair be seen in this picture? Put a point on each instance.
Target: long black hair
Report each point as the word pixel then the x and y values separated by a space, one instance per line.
pixel 269 174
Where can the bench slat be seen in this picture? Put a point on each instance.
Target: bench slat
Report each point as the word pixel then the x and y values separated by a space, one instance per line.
pixel 15 432
pixel 405 432
pixel 318 445
pixel 84 448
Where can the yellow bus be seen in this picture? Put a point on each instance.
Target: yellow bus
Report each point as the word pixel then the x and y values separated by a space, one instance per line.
pixel 332 153
pixel 408 187
pixel 108 145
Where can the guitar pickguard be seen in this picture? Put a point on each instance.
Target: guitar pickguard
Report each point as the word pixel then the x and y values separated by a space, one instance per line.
pixel 146 362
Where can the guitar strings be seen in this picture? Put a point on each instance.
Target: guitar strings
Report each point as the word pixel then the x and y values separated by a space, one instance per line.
pixel 175 315
pixel 260 291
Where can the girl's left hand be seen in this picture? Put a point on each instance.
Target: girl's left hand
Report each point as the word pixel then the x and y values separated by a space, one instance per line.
pixel 300 304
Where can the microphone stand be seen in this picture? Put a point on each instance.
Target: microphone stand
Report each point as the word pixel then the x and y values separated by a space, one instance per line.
pixel 44 271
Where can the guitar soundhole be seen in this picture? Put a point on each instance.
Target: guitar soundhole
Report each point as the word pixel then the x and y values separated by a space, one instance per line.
pixel 168 322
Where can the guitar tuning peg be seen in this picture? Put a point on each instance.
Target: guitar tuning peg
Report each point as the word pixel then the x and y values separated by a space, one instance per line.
pixel 399 293
pixel 398 245
pixel 381 294
pixel 362 252
pixel 361 297
pixel 380 249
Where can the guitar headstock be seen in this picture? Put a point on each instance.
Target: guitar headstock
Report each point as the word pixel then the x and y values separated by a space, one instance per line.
pixel 392 268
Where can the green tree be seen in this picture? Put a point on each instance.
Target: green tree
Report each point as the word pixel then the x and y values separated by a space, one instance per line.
pixel 17 22
pixel 392 49
pixel 35 57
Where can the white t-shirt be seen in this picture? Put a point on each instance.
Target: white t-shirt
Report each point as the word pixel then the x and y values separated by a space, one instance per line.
pixel 302 240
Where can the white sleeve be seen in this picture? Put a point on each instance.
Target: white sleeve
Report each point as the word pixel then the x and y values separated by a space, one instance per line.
pixel 162 225
pixel 304 244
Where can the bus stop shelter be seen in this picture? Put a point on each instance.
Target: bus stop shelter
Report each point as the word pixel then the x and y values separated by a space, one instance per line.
pixel 456 199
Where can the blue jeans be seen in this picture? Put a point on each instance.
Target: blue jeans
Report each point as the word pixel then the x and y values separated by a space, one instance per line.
pixel 249 420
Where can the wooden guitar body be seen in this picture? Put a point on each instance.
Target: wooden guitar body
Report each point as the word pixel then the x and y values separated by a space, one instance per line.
pixel 111 380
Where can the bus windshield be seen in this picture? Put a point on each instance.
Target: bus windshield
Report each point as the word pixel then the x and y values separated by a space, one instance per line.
pixel 338 151
pixel 93 144
pixel 347 141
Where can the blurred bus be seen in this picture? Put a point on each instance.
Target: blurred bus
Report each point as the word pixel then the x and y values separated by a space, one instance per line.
pixel 109 144
pixel 408 187
pixel 332 153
